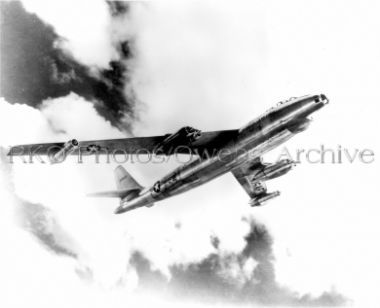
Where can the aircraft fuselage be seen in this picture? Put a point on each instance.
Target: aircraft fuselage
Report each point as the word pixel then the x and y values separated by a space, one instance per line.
pixel 259 136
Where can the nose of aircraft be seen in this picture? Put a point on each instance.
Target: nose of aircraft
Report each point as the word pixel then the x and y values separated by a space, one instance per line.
pixel 324 99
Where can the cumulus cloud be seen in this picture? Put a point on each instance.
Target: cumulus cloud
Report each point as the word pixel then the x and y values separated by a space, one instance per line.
pixel 213 67
pixel 35 218
pixel 104 252
pixel 218 66
pixel 35 67
pixel 83 27
pixel 196 61
pixel 69 113
pixel 48 213
pixel 25 123
pixel 243 277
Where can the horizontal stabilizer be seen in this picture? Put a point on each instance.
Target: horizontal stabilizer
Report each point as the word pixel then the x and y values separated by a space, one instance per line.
pixel 124 181
pixel 123 209
pixel 127 186
pixel 114 193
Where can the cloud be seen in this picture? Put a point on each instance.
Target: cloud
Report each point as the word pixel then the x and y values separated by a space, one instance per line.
pixel 69 113
pixel 41 223
pixel 36 218
pixel 115 251
pixel 213 67
pixel 198 61
pixel 31 274
pixel 24 122
pixel 39 201
pixel 35 67
pixel 217 66
pixel 245 277
pixel 87 35
pixel 118 8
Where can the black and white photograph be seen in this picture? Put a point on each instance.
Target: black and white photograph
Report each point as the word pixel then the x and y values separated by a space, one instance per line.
pixel 189 153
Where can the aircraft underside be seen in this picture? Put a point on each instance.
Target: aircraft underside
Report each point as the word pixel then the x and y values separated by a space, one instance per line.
pixel 238 151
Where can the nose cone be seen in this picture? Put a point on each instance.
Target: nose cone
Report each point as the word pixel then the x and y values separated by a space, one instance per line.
pixel 317 102
pixel 323 99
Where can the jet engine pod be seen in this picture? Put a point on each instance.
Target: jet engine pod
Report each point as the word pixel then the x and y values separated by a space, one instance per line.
pixel 261 200
pixel 67 149
pixel 192 134
pixel 184 137
pixel 271 171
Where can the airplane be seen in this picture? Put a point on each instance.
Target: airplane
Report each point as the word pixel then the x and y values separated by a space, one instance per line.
pixel 238 151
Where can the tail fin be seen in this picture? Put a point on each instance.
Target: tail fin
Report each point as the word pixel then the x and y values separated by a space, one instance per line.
pixel 125 184
pixel 124 180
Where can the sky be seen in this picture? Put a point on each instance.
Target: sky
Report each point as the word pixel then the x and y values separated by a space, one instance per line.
pixel 94 70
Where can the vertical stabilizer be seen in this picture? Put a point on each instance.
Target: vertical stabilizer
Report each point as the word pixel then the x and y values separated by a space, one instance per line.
pixel 126 186
pixel 124 181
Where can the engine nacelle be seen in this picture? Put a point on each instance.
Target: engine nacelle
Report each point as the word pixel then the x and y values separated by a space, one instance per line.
pixel 184 137
pixel 271 171
pixel 261 200
pixel 67 149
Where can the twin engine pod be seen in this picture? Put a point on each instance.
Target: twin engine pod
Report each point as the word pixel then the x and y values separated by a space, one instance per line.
pixel 66 149
pixel 268 172
pixel 271 171
pixel 259 201
pixel 184 137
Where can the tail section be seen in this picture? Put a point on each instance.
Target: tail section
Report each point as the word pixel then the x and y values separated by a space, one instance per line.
pixel 125 183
